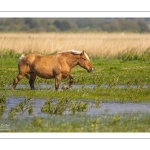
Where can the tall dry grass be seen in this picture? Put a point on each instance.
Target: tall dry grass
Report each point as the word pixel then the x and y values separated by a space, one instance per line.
pixel 95 44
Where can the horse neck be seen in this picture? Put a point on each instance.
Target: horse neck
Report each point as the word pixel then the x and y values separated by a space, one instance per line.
pixel 72 60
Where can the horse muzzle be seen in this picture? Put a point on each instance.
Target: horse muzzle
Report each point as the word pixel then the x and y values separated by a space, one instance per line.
pixel 90 70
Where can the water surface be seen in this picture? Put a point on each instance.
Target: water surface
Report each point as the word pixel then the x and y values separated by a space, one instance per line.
pixel 45 86
pixel 111 108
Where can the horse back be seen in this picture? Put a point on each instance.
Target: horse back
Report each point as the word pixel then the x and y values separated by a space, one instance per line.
pixel 43 66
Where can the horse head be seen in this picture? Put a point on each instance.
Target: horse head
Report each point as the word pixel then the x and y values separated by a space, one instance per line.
pixel 84 62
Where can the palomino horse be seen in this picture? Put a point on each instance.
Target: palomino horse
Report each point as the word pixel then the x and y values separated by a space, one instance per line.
pixel 55 66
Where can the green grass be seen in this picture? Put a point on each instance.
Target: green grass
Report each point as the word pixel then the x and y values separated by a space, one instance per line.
pixel 81 123
pixel 127 69
pixel 102 94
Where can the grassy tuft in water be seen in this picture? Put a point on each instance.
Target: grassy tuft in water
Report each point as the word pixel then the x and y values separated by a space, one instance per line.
pixel 21 108
pixel 2 104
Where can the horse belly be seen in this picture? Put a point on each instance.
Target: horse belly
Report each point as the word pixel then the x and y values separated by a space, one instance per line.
pixel 44 72
pixel 45 76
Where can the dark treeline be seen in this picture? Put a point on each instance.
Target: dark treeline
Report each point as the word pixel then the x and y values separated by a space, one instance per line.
pixel 139 25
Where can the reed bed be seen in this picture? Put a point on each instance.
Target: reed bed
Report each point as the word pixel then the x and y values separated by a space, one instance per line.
pixel 95 44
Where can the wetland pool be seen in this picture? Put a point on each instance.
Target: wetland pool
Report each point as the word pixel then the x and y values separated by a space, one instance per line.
pixel 104 108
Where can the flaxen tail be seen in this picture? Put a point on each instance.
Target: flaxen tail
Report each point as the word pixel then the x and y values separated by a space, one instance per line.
pixel 23 55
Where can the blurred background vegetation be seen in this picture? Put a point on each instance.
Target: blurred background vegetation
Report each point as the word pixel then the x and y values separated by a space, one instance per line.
pixel 136 25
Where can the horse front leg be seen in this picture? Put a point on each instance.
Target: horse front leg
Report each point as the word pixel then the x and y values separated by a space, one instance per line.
pixel 69 77
pixel 70 80
pixel 57 81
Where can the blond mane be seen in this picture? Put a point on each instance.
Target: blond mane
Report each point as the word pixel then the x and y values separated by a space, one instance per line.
pixel 76 52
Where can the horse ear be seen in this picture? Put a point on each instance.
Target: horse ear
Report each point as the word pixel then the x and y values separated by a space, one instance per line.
pixel 83 52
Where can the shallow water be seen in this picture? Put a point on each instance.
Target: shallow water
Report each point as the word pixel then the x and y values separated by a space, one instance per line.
pixel 77 86
pixel 115 108
pixel 111 108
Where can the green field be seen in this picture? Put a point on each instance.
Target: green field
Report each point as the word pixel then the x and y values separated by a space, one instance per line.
pixel 123 78
pixel 112 72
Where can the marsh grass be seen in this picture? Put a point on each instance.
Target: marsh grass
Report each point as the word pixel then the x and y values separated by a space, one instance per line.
pixel 96 44
pixel 134 55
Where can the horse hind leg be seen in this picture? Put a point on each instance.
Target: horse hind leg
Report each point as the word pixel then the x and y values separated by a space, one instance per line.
pixel 16 80
pixel 31 80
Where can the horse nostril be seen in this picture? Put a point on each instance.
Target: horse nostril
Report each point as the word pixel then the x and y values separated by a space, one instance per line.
pixel 90 69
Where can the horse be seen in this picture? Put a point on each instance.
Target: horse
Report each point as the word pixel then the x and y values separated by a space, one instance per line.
pixel 56 66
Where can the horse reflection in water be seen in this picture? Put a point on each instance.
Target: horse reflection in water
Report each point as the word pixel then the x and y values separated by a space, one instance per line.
pixel 56 66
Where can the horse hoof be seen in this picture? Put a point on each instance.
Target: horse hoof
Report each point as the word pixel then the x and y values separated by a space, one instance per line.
pixel 65 87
